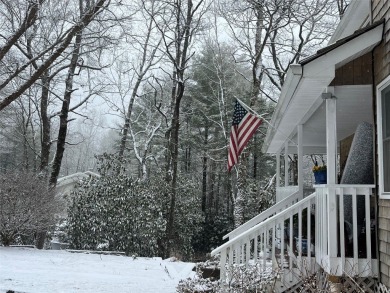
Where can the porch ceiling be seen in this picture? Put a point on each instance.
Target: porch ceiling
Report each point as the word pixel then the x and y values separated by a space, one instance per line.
pixel 300 101
pixel 354 105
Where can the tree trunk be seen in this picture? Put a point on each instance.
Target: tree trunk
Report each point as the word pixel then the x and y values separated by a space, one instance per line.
pixel 61 140
pixel 204 171
pixel 211 189
pixel 294 169
pixel 143 68
pixel 255 155
pixel 240 197
pixel 174 150
pixel 45 126
pixel 182 32
pixel 126 126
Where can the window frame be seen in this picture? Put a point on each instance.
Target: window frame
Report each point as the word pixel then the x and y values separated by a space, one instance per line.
pixel 382 86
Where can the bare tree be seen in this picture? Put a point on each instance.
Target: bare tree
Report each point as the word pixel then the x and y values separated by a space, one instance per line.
pixel 273 34
pixel 74 65
pixel 310 25
pixel 14 71
pixel 62 132
pixel 251 24
pixel 178 22
pixel 89 41
pixel 149 123
pixel 83 143
pixel 147 49
pixel 342 6
pixel 30 10
pixel 270 36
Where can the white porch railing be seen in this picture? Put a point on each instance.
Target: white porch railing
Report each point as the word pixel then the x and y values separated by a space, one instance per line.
pixel 344 240
pixel 284 241
pixel 284 192
pixel 276 208
pixel 330 228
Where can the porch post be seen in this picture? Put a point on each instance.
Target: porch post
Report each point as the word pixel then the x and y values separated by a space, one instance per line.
pixel 331 157
pixel 300 160
pixel 331 137
pixel 286 164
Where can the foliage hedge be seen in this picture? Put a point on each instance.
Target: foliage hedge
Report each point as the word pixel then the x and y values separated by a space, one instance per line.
pixel 116 212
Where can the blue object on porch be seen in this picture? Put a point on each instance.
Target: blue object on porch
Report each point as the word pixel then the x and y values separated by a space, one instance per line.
pixel 320 177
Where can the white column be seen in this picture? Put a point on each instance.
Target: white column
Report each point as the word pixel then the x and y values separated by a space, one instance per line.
pixel 300 159
pixel 286 164
pixel 277 169
pixel 331 154
pixel 331 137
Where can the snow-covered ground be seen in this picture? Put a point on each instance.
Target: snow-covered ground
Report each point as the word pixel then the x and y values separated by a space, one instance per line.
pixel 31 270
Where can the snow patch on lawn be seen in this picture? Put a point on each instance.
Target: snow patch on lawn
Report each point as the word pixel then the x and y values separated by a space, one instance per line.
pixel 37 271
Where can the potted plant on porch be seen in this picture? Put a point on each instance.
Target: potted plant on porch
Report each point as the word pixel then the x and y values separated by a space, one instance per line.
pixel 319 172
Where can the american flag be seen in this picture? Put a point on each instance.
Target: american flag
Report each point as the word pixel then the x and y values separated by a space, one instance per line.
pixel 244 126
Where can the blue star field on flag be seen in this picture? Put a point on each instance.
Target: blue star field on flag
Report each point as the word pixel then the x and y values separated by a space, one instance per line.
pixel 239 113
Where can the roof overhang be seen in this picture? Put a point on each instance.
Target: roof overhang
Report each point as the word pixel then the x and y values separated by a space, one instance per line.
pixel 356 15
pixel 305 82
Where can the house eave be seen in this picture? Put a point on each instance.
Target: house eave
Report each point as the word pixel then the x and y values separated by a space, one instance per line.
pixel 305 82
pixel 293 77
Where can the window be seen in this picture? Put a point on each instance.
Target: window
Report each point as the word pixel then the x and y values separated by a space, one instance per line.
pixel 383 122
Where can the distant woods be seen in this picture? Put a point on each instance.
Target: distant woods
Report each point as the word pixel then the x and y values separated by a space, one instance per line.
pixel 153 83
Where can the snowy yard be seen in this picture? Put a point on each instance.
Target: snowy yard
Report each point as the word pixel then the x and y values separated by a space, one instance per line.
pixel 30 270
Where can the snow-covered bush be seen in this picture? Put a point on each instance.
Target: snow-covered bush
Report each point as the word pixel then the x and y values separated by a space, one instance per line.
pixel 250 278
pixel 188 219
pixel 26 207
pixel 200 283
pixel 115 212
pixel 238 279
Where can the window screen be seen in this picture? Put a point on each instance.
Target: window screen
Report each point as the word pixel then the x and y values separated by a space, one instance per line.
pixel 386 138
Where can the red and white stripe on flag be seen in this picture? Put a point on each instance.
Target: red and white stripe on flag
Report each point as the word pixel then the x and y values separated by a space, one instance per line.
pixel 243 127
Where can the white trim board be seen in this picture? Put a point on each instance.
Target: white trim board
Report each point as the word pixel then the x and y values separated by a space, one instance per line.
pixel 381 87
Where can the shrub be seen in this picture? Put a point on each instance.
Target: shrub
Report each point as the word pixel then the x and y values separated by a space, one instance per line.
pixel 239 278
pixel 27 206
pixel 188 218
pixel 115 212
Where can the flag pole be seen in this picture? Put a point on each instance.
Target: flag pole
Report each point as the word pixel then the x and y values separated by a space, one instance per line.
pixel 249 109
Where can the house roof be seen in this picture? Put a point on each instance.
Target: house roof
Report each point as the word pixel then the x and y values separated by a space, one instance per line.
pixel 305 82
pixel 341 42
